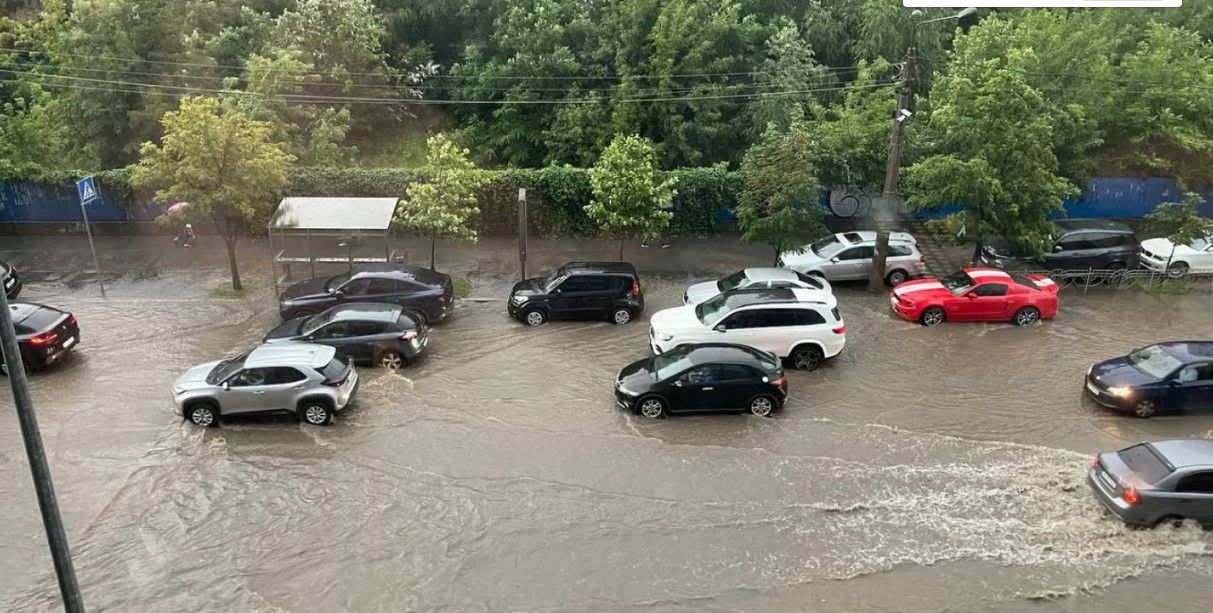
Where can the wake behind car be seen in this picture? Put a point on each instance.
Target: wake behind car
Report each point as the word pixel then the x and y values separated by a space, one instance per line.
pixel 372 333
pixel 977 294
pixel 1169 377
pixel 1159 482
pixel 755 278
pixel 11 280
pixel 848 256
pixel 710 377
pixel 579 290
pixel 1078 245
pixel 426 294
pixel 801 325
pixel 304 379
pixel 45 335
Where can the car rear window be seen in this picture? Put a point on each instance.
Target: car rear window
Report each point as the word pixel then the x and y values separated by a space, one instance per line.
pixel 335 370
pixel 809 280
pixel 1145 463
pixel 41 319
pixel 429 277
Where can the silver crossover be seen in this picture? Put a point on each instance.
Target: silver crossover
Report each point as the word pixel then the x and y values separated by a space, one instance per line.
pixel 848 256
pixel 299 378
pixel 1163 481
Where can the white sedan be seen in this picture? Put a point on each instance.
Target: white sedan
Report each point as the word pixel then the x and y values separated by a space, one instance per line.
pixel 1196 256
pixel 755 278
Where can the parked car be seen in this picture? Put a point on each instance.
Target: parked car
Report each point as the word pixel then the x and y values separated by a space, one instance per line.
pixel 1078 244
pixel 45 335
pixel 755 278
pixel 710 377
pixel 977 294
pixel 305 379
pixel 1165 378
pixel 801 325
pixel 579 290
pixel 374 333
pixel 428 295
pixel 1196 256
pixel 1160 482
pixel 12 281
pixel 848 256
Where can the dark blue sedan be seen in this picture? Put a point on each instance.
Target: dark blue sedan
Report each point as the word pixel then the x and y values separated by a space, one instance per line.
pixel 1169 377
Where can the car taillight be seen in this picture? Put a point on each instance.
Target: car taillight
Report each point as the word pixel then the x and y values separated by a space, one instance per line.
pixel 635 288
pixel 1095 462
pixel 339 382
pixel 1130 495
pixel 72 320
pixel 43 339
pixel 780 382
pixel 840 330
pixel 922 259
pixel 410 335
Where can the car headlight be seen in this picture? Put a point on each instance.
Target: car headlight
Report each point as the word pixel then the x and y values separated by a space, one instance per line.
pixel 520 299
pixel 177 391
pixel 1120 392
pixel 628 391
pixel 666 337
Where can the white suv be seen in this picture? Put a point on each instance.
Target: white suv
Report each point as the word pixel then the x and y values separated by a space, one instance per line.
pixel 848 256
pixel 799 324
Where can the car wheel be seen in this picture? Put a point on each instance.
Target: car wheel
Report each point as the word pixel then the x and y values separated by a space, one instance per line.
pixel 807 357
pixel 1027 316
pixel 763 406
pixel 315 412
pixel 897 277
pixel 391 360
pixel 621 316
pixel 203 414
pixel 651 407
pixel 535 317
pixel 1177 269
pixel 933 316
pixel 1145 408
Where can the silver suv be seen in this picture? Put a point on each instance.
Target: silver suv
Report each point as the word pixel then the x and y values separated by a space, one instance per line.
pixel 848 256
pixel 300 378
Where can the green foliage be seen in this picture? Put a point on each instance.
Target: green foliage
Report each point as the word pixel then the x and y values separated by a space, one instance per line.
pixel 225 165
pixel 629 196
pixel 703 194
pixel 778 203
pixel 462 286
pixel 851 139
pixel 32 136
pixel 444 204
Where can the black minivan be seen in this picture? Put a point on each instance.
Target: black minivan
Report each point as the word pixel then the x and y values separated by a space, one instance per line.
pixel 579 290
pixel 1078 244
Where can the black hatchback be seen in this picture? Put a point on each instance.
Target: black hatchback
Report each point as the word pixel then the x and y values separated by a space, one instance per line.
pixel 426 294
pixel 579 290
pixel 45 334
pixel 703 378
pixel 371 333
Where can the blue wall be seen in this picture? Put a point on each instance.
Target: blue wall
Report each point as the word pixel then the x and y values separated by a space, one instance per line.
pixel 1113 197
pixel 24 201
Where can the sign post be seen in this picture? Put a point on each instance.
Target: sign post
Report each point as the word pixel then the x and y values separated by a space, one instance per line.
pixel 522 229
pixel 88 193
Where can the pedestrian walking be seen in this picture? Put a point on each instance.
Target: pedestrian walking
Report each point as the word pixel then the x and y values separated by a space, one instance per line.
pixel 185 238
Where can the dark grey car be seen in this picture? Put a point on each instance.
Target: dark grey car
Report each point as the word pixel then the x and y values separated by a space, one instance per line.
pixel 1152 483
pixel 369 332
pixel 1078 244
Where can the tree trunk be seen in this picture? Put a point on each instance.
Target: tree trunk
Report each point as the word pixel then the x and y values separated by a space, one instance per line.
pixel 976 254
pixel 876 272
pixel 432 241
pixel 621 241
pixel 777 250
pixel 1167 269
pixel 231 261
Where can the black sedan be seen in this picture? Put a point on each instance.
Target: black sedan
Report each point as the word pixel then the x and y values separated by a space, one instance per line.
pixel 1169 377
pixel 426 294
pixel 12 282
pixel 45 335
pixel 371 333
pixel 703 378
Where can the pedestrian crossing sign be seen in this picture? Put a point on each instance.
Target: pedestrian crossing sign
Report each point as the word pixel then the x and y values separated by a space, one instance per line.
pixel 88 190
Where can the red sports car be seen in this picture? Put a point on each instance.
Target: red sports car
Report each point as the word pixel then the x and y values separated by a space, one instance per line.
pixel 977 294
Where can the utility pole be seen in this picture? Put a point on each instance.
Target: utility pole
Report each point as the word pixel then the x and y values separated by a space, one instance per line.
pixel 56 536
pixel 892 172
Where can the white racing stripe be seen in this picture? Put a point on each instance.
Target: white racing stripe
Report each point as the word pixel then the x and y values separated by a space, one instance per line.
pixel 917 288
pixel 980 274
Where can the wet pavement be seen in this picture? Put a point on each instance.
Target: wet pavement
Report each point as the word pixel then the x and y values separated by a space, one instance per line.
pixel 925 469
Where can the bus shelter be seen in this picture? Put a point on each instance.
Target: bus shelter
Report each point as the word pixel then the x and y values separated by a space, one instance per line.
pixel 307 234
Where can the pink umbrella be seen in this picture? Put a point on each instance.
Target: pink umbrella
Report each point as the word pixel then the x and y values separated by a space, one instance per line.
pixel 176 208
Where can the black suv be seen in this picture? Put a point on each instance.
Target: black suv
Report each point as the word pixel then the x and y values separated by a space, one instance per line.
pixel 1079 244
pixel 579 290
pixel 428 296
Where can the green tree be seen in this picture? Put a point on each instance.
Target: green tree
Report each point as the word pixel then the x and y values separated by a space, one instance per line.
pixel 993 154
pixel 630 199
pixel 851 138
pixel 32 136
pixel 225 165
pixel 1180 223
pixel 789 66
pixel 779 201
pixel 444 205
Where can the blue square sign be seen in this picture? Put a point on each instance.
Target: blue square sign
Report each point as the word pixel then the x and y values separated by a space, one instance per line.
pixel 88 190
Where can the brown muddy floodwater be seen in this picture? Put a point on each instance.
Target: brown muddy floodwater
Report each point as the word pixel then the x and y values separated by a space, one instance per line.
pixel 926 469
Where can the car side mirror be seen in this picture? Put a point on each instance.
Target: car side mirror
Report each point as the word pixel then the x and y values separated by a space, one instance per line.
pixel 834 260
pixel 678 383
pixel 1174 383
pixel 970 295
pixel 719 328
pixel 227 386
pixel 1058 249
pixel 338 293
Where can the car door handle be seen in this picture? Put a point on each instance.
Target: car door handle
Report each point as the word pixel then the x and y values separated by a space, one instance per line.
pixel 708 389
pixel 259 392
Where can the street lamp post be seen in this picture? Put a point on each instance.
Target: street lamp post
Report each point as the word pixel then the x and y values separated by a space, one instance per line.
pixel 897 144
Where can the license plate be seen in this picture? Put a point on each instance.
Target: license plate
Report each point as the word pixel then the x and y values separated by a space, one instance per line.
pixel 1107 480
pixel 71 340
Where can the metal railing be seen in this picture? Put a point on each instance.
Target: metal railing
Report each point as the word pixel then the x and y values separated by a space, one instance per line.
pixel 1120 279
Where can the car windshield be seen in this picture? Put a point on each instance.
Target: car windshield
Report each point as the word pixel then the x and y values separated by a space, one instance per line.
pixel 731 281
pixel 549 283
pixel 1154 361
pixel 712 309
pixel 671 363
pixel 1199 244
pixel 315 322
pixel 225 369
pixel 827 247
pixel 958 282
pixel 336 282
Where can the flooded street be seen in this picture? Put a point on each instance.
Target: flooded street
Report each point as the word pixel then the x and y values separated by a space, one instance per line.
pixel 927 469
